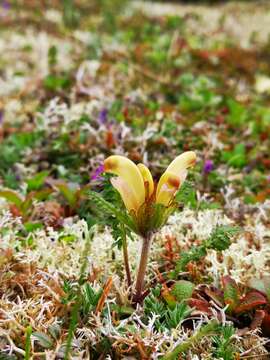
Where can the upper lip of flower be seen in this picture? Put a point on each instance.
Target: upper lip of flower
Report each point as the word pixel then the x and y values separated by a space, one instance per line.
pixel 135 182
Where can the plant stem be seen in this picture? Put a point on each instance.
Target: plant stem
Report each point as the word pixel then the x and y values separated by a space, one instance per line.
pixel 125 254
pixel 142 268
pixel 207 330
pixel 27 355
pixel 74 319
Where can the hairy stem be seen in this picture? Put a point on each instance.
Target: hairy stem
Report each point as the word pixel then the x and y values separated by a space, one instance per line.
pixel 125 254
pixel 142 268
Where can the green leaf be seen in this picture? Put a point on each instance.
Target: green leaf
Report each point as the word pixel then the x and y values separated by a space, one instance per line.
pixel 53 82
pixel 210 329
pixel 32 226
pixel 222 344
pixel 90 298
pixel 182 290
pixel 55 330
pixel 67 238
pixel 12 197
pixel 174 317
pixel 4 356
pixel 44 340
pixel 69 194
pixel 187 195
pixel 237 113
pixel 109 209
pixel 36 182
pixel 27 355
pixel 236 157
pixel 194 254
pixel 231 293
pixel 41 195
pixel 220 238
pixel 52 55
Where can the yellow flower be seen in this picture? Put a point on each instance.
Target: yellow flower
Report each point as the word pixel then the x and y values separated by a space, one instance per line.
pixel 135 182
pixel 148 205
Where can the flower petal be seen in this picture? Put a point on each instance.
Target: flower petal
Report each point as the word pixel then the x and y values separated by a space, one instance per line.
pixel 170 185
pixel 126 193
pixel 128 171
pixel 181 162
pixel 147 177
pixel 178 166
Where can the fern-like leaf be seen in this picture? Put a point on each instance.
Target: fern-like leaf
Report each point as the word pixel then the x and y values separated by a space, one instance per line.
pixel 109 209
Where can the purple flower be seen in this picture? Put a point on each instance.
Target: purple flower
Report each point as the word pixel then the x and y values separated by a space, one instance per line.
pixel 96 175
pixel 103 116
pixel 5 5
pixel 208 166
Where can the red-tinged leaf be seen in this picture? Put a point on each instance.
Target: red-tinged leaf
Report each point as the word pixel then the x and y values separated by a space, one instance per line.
pixel 110 141
pixel 257 284
pixel 266 324
pixel 262 285
pixel 258 319
pixel 216 295
pixel 201 305
pixel 83 191
pixel 250 301
pixel 26 205
pixel 68 193
pixel 12 197
pixel 42 195
pixel 231 292
pixel 14 210
pixel 5 256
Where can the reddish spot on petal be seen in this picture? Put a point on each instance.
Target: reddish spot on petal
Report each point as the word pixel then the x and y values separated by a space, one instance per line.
pixel 174 182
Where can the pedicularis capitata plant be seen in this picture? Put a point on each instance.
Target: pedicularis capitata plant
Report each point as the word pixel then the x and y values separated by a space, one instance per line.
pixel 148 205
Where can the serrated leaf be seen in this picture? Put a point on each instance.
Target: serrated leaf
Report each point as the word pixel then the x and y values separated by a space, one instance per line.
pixel 250 301
pixel 109 209
pixel 187 195
pixel 195 253
pixel 220 238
